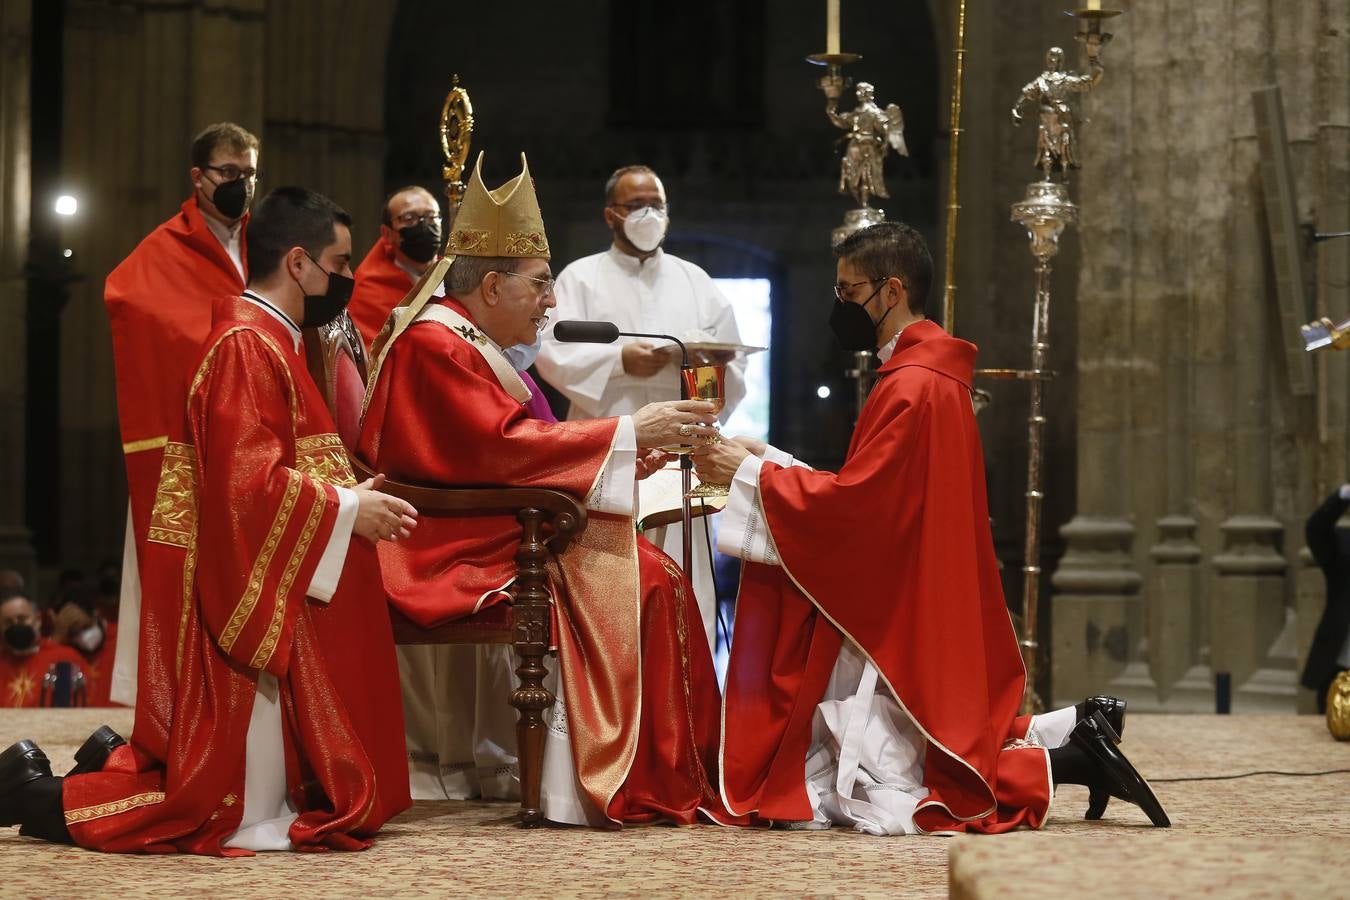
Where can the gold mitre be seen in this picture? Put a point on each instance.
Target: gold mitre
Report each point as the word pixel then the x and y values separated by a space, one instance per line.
pixel 504 222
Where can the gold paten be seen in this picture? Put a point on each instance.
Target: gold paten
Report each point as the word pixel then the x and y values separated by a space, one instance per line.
pixel 1338 707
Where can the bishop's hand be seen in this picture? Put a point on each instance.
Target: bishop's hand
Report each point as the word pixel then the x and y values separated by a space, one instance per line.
pixel 674 422
pixel 380 517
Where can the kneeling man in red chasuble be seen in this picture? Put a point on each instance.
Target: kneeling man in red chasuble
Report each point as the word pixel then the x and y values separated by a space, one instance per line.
pixel 875 679
pixel 281 725
pixel 633 734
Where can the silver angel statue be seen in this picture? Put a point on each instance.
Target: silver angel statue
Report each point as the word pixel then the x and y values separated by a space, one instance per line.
pixel 870 129
pixel 1056 137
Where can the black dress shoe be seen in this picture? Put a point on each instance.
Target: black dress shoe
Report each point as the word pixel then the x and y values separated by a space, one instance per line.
pixel 20 764
pixel 1116 777
pixel 96 749
pixel 1113 708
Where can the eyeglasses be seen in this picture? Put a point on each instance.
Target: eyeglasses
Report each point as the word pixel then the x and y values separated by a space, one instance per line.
pixel 234 173
pixel 546 282
pixel 412 218
pixel 843 287
pixel 635 205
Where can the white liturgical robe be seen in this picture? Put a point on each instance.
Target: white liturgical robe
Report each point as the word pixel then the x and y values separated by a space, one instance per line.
pixel 660 295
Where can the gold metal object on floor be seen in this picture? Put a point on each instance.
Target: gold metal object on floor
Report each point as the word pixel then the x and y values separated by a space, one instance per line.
pixel 1338 707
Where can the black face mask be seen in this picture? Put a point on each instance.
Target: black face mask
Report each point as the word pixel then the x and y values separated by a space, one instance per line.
pixel 420 242
pixel 320 309
pixel 233 197
pixel 853 326
pixel 20 636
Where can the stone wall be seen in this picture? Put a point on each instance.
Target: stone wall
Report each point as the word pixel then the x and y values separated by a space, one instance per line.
pixel 1197 463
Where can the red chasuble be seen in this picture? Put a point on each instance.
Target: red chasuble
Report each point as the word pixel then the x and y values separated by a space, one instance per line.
pixel 21 676
pixel 895 554
pixel 257 503
pixel 380 286
pixel 97 668
pixel 160 300
pixel 641 691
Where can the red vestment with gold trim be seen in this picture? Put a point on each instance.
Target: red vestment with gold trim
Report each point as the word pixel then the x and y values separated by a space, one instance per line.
pixel 439 416
pixel 895 553
pixel 160 302
pixel 259 510
pixel 380 286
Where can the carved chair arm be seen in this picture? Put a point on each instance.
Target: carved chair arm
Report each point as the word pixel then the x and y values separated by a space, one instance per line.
pixel 565 515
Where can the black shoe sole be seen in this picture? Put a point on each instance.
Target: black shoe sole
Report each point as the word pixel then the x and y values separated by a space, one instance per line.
pixel 1125 780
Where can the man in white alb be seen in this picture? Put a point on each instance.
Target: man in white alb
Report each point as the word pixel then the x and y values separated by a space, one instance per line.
pixel 638 286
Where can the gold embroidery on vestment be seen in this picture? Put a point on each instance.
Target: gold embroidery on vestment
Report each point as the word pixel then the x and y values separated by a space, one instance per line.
pixel 522 243
pixel 268 644
pixel 324 458
pixel 89 813
pixel 253 589
pixel 173 518
pixel 144 444
pixel 465 240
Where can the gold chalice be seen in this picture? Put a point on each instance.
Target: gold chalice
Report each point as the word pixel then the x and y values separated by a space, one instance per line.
pixel 707 383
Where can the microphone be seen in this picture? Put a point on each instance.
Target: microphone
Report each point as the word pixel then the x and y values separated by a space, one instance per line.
pixel 581 331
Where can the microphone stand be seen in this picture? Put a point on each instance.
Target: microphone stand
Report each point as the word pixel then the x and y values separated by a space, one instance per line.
pixel 686 461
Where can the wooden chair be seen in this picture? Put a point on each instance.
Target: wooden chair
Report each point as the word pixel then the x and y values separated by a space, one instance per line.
pixel 548 519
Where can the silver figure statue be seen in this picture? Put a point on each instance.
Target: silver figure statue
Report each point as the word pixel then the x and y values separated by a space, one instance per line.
pixel 1056 140
pixel 870 129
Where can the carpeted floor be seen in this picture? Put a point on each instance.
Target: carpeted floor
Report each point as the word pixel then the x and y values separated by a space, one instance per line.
pixel 1262 836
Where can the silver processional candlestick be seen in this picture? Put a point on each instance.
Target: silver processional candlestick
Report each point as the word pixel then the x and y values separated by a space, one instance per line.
pixel 1045 212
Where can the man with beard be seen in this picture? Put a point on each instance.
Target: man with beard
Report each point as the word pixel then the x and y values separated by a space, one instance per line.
pixel 638 286
pixel 159 302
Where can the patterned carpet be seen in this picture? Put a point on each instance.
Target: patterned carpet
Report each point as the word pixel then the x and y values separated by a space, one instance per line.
pixel 1262 836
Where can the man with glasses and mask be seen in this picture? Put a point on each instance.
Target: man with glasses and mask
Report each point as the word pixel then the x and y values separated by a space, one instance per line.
pixel 875 678
pixel 638 286
pixel 409 242
pixel 632 734
pixel 275 724
pixel 159 302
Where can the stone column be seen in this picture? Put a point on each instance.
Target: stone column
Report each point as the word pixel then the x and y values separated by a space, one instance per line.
pixel 1174 607
pixel 1095 625
pixel 16 549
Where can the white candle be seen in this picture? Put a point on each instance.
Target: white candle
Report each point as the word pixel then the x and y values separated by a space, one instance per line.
pixel 831 26
pixel 1094 4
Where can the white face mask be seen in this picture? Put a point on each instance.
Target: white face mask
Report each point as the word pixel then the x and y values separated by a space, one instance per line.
pixel 646 228
pixel 522 356
pixel 90 639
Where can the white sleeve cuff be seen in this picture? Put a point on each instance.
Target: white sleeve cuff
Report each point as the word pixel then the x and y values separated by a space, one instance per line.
pixel 742 530
pixel 781 457
pixel 615 489
pixel 1345 492
pixel 325 581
